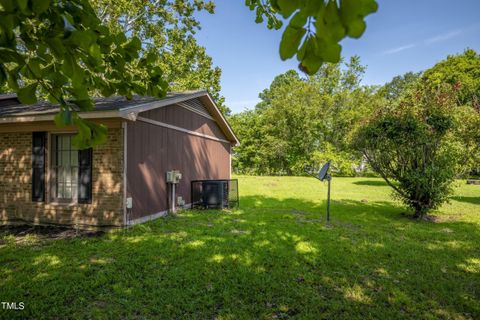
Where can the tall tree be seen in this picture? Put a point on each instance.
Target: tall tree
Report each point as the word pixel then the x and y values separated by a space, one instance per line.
pixel 399 85
pixel 246 157
pixel 415 147
pixel 62 47
pixel 168 28
pixel 461 71
pixel 300 119
pixel 291 78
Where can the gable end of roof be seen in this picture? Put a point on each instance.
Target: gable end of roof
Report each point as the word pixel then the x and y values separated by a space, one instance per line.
pixel 11 110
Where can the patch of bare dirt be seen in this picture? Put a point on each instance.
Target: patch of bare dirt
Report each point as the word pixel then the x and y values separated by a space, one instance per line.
pixel 298 212
pixel 239 232
pixel 428 218
pixel 271 184
pixel 431 218
pixel 26 233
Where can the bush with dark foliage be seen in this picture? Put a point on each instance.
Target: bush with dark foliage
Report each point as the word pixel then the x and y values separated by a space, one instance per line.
pixel 413 146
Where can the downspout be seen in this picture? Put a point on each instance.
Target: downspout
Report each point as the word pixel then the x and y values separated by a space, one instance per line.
pixel 173 198
pixel 124 127
pixel 230 161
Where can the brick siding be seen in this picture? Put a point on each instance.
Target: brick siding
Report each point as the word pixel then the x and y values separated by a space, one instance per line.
pixel 16 204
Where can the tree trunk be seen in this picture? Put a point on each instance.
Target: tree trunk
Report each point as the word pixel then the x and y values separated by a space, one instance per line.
pixel 419 213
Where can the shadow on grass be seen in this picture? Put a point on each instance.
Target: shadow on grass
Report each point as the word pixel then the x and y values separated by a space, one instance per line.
pixel 376 183
pixel 269 259
pixel 472 200
pixel 22 232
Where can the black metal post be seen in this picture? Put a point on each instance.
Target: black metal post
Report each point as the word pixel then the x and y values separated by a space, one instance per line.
pixel 329 178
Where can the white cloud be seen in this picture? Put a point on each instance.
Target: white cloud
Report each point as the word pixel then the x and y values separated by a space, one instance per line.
pixel 443 37
pixel 438 38
pixel 399 49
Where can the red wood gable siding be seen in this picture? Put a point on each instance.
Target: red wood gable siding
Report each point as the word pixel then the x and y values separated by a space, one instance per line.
pixel 153 150
pixel 181 117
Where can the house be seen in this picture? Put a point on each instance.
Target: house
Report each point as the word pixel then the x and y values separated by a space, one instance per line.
pixel 44 179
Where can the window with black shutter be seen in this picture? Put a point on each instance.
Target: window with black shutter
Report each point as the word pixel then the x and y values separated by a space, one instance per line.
pixel 38 166
pixel 85 176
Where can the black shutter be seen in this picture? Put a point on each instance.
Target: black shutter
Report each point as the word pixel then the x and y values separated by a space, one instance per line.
pixel 85 176
pixel 38 166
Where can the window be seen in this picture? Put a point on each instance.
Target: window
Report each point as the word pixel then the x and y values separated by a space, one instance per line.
pixel 64 169
pixel 38 166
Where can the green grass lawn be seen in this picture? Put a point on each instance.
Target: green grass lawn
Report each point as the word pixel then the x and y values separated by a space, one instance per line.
pixel 274 258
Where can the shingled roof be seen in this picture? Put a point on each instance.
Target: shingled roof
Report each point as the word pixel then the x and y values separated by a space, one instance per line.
pixel 12 110
pixel 10 106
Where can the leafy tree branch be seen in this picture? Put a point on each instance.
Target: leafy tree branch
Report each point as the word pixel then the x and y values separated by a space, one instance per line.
pixel 315 27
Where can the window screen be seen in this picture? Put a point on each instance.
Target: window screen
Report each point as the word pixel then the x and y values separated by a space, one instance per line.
pixel 65 168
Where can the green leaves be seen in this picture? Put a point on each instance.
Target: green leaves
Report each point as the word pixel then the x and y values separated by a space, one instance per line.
pixel 63 117
pixel 56 46
pixel 286 7
pixel 267 10
pixel 132 47
pixel 309 55
pixel 60 50
pixel 28 94
pixel 68 66
pixel 95 52
pixel 321 24
pixel 290 41
pixel 82 39
pixel 353 12
pixel 89 134
pixel 3 75
pixel 23 5
pixel 303 120
pixel 84 105
pixel 38 6
pixel 417 144
pixel 7 5
pixel 328 23
pixel 10 55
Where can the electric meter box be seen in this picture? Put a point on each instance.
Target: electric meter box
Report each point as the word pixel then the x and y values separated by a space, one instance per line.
pixel 173 176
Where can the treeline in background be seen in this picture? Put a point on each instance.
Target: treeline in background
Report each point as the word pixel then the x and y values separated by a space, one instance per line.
pixel 305 121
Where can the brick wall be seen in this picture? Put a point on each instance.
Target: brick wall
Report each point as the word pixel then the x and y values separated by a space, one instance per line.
pixel 16 184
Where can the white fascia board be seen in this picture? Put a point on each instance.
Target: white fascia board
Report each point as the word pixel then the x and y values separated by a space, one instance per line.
pixel 49 117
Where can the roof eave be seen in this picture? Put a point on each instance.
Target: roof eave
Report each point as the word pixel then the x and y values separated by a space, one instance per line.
pixel 50 117
pixel 131 113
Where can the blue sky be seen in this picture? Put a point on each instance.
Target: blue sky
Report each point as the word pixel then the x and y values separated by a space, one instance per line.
pixel 407 35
